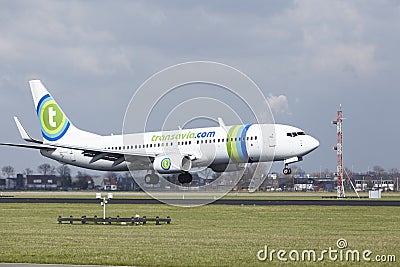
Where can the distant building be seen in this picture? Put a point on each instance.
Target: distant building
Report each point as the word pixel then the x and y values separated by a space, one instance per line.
pixel 43 182
pixel 109 184
pixel 365 182
pixel 303 184
pixel 126 183
pixel 12 183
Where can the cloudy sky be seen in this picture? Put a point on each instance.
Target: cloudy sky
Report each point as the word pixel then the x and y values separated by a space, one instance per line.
pixel 306 56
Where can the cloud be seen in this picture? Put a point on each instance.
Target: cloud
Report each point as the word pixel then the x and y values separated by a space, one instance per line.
pixel 279 104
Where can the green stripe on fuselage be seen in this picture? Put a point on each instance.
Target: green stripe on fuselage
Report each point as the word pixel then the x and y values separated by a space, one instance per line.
pixel 231 145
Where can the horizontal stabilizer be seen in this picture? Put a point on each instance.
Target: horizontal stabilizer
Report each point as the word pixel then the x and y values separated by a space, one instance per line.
pixel 24 134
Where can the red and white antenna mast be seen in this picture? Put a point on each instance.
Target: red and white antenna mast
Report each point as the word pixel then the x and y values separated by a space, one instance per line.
pixel 339 150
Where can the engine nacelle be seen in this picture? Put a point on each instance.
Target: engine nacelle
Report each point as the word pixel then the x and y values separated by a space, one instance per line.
pixel 174 163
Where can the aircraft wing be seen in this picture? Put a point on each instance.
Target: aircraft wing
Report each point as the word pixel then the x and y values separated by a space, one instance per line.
pixel 38 146
pixel 117 156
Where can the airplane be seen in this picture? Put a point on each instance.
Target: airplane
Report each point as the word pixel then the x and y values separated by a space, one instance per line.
pixel 222 148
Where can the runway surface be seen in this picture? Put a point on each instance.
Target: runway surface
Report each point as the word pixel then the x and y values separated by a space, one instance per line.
pixel 247 202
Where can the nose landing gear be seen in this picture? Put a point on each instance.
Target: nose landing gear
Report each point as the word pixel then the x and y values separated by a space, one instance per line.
pixel 287 170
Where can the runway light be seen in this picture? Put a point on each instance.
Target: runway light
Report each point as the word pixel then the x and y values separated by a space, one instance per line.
pixel 104 201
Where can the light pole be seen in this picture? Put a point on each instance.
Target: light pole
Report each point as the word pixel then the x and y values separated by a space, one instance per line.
pixel 104 201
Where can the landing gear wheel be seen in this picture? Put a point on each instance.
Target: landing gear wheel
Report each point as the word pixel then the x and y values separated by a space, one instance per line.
pixel 287 171
pixel 151 178
pixel 185 178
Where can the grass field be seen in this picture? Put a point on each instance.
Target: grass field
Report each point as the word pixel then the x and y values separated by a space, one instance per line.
pixel 212 235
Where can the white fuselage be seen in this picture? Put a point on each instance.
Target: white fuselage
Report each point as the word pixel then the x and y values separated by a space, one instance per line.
pixel 213 146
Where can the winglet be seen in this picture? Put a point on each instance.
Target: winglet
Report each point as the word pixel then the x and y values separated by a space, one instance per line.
pixel 24 134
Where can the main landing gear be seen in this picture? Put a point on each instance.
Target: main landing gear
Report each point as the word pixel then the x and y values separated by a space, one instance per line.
pixel 151 178
pixel 185 178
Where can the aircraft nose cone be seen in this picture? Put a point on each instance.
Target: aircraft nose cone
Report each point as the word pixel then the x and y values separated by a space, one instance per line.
pixel 314 143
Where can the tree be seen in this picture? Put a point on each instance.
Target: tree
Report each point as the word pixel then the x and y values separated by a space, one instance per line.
pixel 394 171
pixel 378 170
pixel 65 172
pixel 46 169
pixel 296 169
pixel 8 171
pixel 112 175
pixel 28 171
pixel 83 180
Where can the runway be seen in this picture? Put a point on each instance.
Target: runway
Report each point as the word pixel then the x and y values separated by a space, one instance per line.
pixel 246 202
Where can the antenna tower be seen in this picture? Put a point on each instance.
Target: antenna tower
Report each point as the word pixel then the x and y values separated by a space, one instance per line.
pixel 339 150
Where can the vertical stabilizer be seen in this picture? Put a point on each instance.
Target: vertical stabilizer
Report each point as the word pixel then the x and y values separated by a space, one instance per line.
pixel 54 124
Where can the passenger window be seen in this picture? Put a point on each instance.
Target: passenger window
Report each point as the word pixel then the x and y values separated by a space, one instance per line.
pixel 251 137
pixel 198 141
pixel 255 138
pixel 289 134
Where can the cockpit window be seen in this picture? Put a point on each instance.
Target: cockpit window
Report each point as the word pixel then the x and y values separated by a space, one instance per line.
pixel 294 134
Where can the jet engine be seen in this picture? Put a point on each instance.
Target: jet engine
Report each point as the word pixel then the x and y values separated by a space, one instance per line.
pixel 174 163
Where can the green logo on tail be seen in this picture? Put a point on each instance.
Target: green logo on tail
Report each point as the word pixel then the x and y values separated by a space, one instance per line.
pixel 53 123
